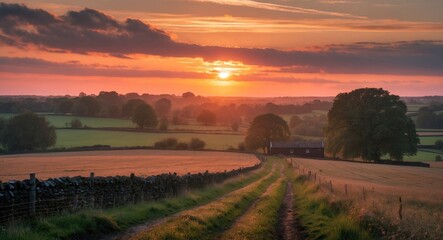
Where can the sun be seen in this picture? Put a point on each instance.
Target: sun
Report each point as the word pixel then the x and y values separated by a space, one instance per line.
pixel 224 74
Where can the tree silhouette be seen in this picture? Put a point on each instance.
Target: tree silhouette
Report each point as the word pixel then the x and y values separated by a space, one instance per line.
pixel 144 116
pixel 370 123
pixel 28 131
pixel 264 129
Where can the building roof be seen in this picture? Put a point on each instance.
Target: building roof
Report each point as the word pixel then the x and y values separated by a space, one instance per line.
pixel 297 144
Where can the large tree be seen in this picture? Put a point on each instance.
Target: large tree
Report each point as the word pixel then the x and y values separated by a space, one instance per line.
pixel 28 131
pixel 370 123
pixel 264 129
pixel 144 116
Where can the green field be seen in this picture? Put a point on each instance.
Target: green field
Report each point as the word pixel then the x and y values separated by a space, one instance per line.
pixel 77 138
pixel 429 140
pixel 59 121
pixel 423 156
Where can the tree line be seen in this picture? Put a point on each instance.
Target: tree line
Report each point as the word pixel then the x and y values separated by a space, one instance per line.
pixel 430 117
pixel 180 108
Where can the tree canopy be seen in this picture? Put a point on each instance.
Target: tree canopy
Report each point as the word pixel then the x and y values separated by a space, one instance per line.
pixel 207 117
pixel 370 123
pixel 264 129
pixel 28 131
pixel 144 116
pixel 129 107
pixel 163 106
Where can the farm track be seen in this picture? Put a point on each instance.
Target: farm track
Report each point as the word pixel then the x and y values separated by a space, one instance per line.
pixel 242 224
pixel 207 221
pixel 289 227
pixel 148 226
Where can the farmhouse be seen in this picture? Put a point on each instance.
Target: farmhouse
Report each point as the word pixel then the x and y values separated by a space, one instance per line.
pixel 298 148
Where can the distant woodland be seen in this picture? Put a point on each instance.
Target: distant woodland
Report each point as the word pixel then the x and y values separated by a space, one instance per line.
pixel 115 105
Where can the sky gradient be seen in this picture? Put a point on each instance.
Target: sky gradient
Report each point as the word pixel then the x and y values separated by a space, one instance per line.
pixel 221 48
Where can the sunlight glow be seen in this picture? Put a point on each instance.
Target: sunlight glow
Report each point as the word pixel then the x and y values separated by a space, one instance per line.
pixel 223 83
pixel 224 74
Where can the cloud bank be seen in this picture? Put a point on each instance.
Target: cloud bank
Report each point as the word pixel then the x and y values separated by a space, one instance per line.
pixel 89 31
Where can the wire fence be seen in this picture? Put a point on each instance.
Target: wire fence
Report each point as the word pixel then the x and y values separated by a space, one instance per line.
pixel 34 198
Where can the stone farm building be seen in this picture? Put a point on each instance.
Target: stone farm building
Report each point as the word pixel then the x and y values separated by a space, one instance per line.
pixel 298 148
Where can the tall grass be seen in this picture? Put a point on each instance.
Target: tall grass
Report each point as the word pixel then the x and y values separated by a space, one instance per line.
pixel 324 218
pixel 375 207
pixel 99 222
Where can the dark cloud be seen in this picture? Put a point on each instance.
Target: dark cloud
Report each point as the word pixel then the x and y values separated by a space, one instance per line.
pixel 89 31
pixel 73 68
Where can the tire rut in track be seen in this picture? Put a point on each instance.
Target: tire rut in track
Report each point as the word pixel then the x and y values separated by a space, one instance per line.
pixel 289 228
pixel 251 208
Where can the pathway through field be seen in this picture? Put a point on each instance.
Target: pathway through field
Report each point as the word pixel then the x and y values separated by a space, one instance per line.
pixel 249 212
pixel 289 227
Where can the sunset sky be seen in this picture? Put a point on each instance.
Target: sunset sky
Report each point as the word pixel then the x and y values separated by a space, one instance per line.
pixel 221 47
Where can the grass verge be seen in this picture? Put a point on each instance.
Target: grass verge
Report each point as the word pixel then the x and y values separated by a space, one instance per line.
pixel 264 216
pixel 324 218
pixel 209 220
pixel 98 222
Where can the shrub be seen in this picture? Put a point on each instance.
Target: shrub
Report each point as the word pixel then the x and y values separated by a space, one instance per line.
pixel 182 146
pixel 168 143
pixel 438 158
pixel 196 143
pixel 76 123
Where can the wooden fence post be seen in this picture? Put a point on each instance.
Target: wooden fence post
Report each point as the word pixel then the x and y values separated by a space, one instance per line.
pixel 132 188
pixel 400 210
pixel 91 186
pixel 315 177
pixel 346 189
pixel 32 194
pixel 330 182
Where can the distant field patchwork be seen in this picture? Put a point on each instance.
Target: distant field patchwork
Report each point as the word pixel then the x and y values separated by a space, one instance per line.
pixel 61 121
pixel 76 138
pixel 121 162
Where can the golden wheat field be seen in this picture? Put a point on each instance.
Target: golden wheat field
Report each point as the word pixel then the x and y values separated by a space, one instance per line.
pixel 417 181
pixel 119 162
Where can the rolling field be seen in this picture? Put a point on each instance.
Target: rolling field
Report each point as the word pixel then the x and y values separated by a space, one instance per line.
pixel 120 162
pixel 77 138
pixel 418 180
